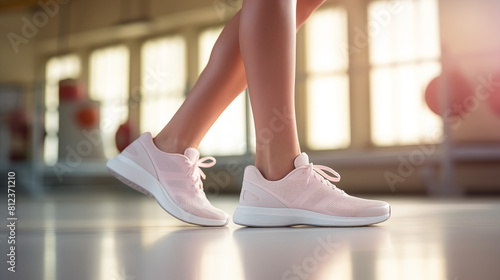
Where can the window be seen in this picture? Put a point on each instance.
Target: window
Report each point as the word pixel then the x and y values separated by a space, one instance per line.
pixel 109 73
pixel 228 135
pixel 56 69
pixel 328 121
pixel 404 57
pixel 163 81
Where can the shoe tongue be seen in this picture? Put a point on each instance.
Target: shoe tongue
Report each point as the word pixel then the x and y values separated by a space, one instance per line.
pixel 301 160
pixel 192 154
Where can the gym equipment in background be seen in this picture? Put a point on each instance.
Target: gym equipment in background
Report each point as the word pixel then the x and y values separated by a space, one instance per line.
pixel 79 131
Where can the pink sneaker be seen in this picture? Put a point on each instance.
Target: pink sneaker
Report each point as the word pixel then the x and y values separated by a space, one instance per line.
pixel 172 179
pixel 303 197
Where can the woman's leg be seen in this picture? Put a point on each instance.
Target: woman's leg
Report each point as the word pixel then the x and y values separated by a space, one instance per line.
pixel 218 85
pixel 267 43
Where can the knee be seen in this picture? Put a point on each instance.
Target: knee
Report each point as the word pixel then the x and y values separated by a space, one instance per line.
pixel 273 2
pixel 316 3
pixel 307 7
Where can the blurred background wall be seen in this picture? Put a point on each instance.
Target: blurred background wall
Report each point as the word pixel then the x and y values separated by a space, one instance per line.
pixel 398 96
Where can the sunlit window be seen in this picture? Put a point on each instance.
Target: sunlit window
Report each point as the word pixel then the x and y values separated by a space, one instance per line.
pixel 404 55
pixel 228 135
pixel 163 81
pixel 109 79
pixel 328 122
pixel 57 68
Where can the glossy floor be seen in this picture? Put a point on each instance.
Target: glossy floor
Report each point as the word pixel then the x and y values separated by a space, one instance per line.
pixel 74 236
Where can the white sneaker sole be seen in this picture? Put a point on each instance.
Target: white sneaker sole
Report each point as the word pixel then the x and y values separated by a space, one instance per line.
pixel 278 217
pixel 133 175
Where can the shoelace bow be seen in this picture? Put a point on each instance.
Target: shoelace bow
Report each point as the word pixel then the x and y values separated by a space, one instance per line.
pixel 320 169
pixel 195 171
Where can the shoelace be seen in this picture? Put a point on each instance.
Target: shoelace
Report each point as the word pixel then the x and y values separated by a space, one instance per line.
pixel 195 171
pixel 320 170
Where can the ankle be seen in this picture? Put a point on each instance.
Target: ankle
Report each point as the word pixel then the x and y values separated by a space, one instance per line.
pixel 273 175
pixel 170 145
pixel 275 170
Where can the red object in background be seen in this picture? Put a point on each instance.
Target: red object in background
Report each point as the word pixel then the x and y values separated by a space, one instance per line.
pixel 19 128
pixel 494 99
pixel 122 137
pixel 459 91
pixel 70 90
pixel 87 116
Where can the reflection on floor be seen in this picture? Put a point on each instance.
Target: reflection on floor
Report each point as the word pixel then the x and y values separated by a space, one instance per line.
pixel 124 237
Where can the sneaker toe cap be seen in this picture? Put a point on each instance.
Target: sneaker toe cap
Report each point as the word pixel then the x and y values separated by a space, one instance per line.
pixel 379 209
pixel 216 214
